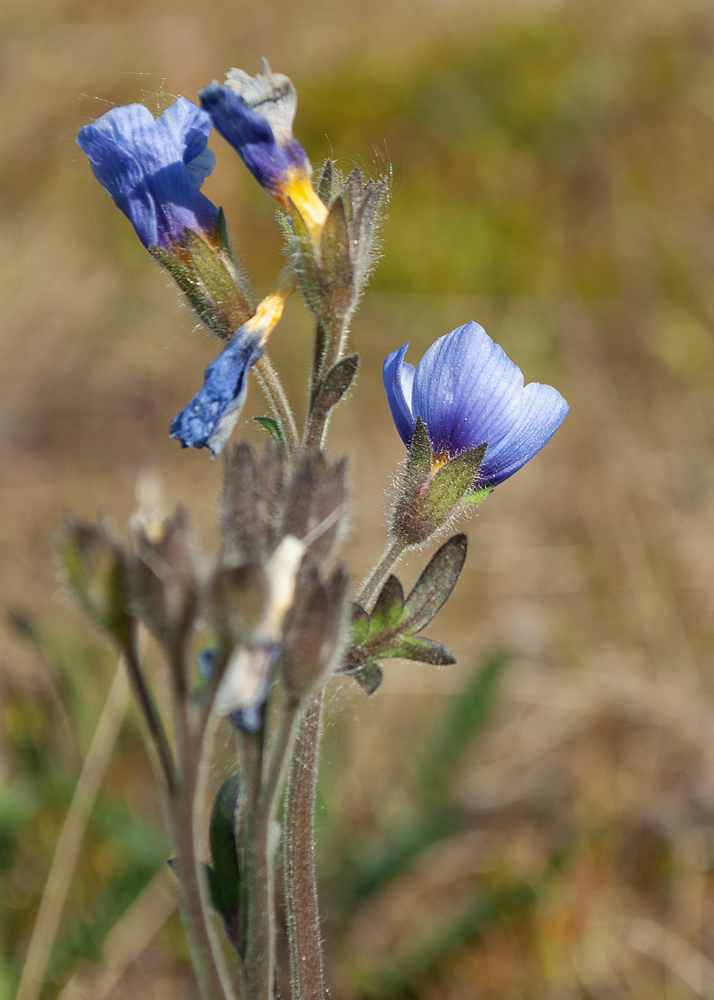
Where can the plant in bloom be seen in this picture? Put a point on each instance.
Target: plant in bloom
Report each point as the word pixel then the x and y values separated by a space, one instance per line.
pixel 468 393
pixel 278 620
pixel 153 168
pixel 255 115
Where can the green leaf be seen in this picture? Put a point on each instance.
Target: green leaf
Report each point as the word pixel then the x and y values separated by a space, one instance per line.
pixel 273 428
pixel 335 384
pixel 224 876
pixel 434 586
pixel 368 676
pixel 388 610
pixel 417 647
pixel 360 624
pixel 457 730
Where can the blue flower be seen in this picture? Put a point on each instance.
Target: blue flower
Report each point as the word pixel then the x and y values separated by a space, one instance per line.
pixel 154 168
pixel 255 115
pixel 211 415
pixel 468 392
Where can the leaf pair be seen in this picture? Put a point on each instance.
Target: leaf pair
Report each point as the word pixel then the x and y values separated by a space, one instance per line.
pixel 390 630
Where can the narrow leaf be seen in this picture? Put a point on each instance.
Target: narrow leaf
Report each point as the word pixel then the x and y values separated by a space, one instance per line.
pixel 224 877
pixel 389 608
pixel 417 647
pixel 435 584
pixel 360 624
pixel 335 384
pixel 272 427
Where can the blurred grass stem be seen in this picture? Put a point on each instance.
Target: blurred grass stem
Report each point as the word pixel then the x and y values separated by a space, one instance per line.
pixel 70 840
pixel 157 743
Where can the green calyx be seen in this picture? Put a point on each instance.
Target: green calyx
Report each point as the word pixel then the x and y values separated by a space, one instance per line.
pixel 432 494
pixel 208 274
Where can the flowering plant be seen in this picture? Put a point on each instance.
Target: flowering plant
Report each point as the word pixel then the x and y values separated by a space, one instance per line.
pixel 275 615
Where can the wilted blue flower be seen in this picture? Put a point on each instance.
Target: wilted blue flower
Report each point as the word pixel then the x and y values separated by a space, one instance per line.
pixel 255 115
pixel 468 392
pixel 211 415
pixel 154 168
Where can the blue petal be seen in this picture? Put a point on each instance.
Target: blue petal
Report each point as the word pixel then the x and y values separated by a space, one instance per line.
pixel 467 390
pixel 211 415
pixel 154 168
pixel 542 412
pixel 251 135
pixel 398 381
pixel 186 128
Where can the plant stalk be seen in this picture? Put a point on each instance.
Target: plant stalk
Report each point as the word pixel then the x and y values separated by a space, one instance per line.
pixel 278 401
pixel 393 552
pixel 259 862
pixel 301 900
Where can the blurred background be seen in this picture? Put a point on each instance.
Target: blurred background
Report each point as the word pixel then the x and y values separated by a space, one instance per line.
pixel 536 821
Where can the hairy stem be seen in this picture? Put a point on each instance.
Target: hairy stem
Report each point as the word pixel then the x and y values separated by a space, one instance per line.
pixel 259 862
pixel 328 350
pixel 301 901
pixel 275 394
pixel 393 552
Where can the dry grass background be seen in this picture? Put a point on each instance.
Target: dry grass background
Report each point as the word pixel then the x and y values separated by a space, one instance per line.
pixel 554 180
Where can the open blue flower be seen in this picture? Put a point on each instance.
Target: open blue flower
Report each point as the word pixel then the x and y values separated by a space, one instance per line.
pixel 468 392
pixel 154 168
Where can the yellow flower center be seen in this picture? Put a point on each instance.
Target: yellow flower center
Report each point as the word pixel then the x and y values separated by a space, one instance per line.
pixel 297 188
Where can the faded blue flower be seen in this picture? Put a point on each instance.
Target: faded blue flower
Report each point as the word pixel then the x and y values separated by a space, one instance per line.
pixel 212 414
pixel 255 115
pixel 154 168
pixel 468 392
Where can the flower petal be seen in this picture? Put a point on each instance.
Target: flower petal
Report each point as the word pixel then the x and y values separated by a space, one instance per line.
pixel 255 115
pixel 154 168
pixel 398 378
pixel 542 412
pixel 211 415
pixel 467 390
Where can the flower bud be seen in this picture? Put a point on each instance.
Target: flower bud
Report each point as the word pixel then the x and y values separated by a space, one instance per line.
pixel 96 568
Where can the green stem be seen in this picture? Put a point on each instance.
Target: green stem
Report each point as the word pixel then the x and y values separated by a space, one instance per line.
pixel 275 394
pixel 259 862
pixel 158 742
pixel 393 552
pixel 328 350
pixel 190 890
pixel 195 754
pixel 301 901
